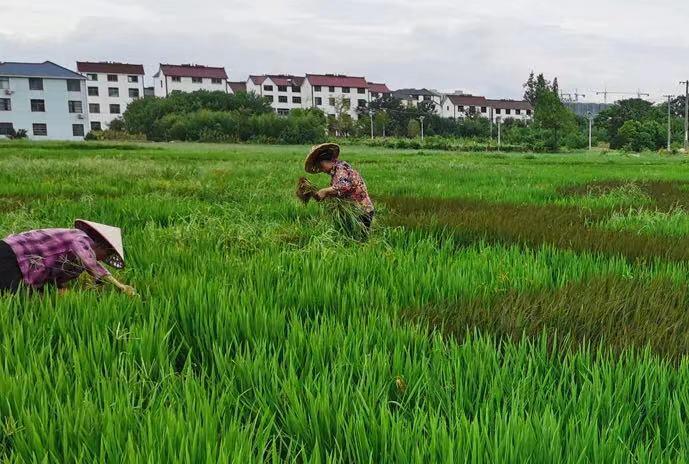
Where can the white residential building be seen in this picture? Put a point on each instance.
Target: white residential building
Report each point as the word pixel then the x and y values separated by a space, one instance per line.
pixel 510 109
pixel 46 100
pixel 284 92
pixel 461 106
pixel 110 89
pixel 334 93
pixel 189 78
pixel 412 97
pixel 378 90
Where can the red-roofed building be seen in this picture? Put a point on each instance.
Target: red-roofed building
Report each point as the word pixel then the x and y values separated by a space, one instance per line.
pixel 237 87
pixel 334 93
pixel 189 78
pixel 110 87
pixel 283 91
pixel 378 90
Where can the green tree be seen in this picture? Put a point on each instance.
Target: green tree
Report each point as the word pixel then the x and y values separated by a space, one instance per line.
pixel 380 122
pixel 413 128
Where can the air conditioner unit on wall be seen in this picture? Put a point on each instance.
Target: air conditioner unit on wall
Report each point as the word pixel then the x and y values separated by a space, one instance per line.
pixel 9 92
pixel 80 116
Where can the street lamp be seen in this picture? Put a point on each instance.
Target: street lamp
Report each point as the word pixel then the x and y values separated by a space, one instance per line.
pixel 421 118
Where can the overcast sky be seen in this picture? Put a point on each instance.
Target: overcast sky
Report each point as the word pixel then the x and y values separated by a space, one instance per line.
pixel 479 46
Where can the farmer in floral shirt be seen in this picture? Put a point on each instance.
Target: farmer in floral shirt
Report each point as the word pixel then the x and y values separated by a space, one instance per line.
pixel 346 183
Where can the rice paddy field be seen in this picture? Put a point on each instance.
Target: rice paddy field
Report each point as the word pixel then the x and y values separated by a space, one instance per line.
pixel 506 308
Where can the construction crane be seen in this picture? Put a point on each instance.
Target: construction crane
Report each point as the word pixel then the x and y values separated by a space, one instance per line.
pixel 606 92
pixel 572 97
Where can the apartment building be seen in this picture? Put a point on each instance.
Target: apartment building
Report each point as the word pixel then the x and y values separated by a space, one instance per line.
pixel 189 78
pixel 411 98
pixel 45 99
pixel 284 92
pixel 111 87
pixel 378 90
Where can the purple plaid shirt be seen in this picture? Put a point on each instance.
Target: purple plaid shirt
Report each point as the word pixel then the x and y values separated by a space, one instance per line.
pixel 54 256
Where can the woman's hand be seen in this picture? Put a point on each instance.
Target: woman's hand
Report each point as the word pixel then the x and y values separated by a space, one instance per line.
pixel 128 290
pixel 322 194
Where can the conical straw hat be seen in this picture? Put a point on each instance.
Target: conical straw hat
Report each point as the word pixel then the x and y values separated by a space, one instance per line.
pixel 330 151
pixel 110 235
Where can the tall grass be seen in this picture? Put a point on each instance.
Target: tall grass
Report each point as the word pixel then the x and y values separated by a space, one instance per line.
pixel 262 334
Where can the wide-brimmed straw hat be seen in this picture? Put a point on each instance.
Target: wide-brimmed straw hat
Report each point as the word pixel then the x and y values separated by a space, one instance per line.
pixel 324 151
pixel 112 236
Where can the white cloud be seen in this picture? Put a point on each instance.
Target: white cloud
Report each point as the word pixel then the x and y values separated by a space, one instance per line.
pixel 478 46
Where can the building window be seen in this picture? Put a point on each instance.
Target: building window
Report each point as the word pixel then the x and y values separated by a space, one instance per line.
pixel 282 99
pixel 75 106
pixel 4 82
pixel 345 89
pixel 283 111
pixel 112 77
pixel 374 94
pixel 296 89
pixel 35 83
pixel 269 98
pixel 197 80
pixel 94 108
pixel 331 89
pixel 316 88
pixel 518 111
pixel 5 104
pixel 113 92
pixel 296 99
pixel 460 108
pixel 132 79
pixel 361 90
pixel 95 126
pixel 92 77
pixel 319 101
pixel 528 112
pixel 508 111
pixel 282 88
pixel 73 85
pixel 114 109
pixel 38 106
pixel 498 110
pixel 40 130
pixel 361 103
pixel 483 109
pixel 6 128
pixel 331 101
pixel 93 91
pixel 133 93
pixel 268 88
pixel 176 79
pixel 78 130
pixel 216 80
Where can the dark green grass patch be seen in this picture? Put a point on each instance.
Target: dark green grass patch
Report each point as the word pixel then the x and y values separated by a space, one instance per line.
pixel 530 225
pixel 665 195
pixel 617 313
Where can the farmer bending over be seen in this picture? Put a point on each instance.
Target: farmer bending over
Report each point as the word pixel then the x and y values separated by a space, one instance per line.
pixel 56 256
pixel 346 183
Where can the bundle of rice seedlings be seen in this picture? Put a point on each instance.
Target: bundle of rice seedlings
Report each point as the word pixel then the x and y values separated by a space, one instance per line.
pixel 305 189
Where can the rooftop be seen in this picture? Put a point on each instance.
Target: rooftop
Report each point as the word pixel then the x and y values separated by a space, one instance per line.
pixel 379 88
pixel 337 80
pixel 468 100
pixel 404 93
pixel 237 86
pixel 47 69
pixel 510 104
pixel 192 70
pixel 109 67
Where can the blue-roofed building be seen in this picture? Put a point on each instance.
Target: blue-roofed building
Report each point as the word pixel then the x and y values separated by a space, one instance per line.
pixel 45 99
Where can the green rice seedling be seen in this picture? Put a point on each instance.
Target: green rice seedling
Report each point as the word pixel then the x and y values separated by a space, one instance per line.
pixel 265 333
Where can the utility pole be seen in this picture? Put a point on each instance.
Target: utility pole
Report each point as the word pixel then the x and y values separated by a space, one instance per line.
pixel 669 122
pixel 499 120
pixel 589 115
pixel 421 118
pixel 686 115
pixel 371 116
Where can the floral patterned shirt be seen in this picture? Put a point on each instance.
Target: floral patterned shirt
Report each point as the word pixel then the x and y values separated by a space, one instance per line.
pixel 349 184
